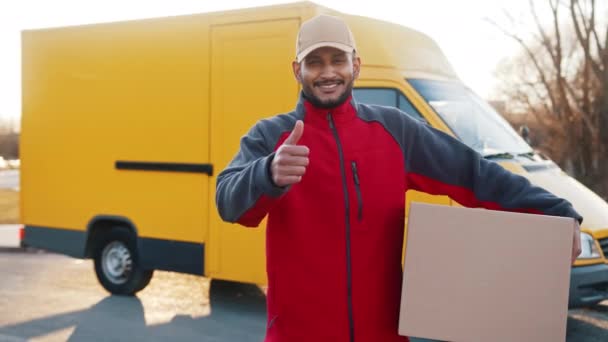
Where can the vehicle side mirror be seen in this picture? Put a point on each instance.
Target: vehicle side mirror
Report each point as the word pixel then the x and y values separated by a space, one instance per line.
pixel 524 131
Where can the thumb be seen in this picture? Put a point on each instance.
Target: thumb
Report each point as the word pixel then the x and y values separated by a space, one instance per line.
pixel 296 134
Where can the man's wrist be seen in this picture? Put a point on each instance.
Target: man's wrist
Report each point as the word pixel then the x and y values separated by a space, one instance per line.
pixel 270 187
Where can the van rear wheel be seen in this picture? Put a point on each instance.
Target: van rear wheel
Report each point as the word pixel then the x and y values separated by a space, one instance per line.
pixel 117 263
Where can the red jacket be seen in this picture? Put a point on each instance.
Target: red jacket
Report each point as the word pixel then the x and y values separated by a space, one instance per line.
pixel 334 240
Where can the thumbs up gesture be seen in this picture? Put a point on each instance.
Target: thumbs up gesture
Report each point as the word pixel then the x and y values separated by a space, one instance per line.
pixel 290 160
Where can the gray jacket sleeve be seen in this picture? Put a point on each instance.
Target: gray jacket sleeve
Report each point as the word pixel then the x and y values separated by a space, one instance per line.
pixel 242 184
pixel 440 164
pixel 437 163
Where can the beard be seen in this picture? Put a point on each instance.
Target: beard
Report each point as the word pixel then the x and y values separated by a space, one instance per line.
pixel 327 104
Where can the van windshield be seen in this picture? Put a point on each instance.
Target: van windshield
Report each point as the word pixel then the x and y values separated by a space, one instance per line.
pixel 473 120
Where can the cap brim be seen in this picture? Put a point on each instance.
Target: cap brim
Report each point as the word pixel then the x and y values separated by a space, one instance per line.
pixel 313 47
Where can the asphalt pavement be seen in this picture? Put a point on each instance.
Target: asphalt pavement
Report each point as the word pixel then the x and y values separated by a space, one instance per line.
pixel 47 297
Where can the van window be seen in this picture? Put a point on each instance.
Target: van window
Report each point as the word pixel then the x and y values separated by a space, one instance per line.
pixel 387 97
pixel 474 121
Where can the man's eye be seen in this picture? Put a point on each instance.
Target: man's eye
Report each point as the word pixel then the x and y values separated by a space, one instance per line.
pixel 314 62
pixel 339 61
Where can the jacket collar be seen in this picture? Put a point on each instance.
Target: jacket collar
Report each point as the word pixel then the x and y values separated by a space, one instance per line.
pixel 341 114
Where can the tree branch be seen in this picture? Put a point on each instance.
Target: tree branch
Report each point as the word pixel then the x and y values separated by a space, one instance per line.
pixel 537 94
pixel 544 38
pixel 598 46
pixel 534 60
pixel 584 40
pixel 539 116
pixel 580 11
pixel 604 55
pixel 579 112
pixel 563 103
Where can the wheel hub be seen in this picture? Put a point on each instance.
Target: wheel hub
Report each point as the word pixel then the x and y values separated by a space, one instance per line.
pixel 116 262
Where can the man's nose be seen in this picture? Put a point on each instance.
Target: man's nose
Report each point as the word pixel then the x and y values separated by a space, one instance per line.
pixel 328 70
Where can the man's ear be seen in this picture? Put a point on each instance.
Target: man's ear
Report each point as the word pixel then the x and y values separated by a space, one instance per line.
pixel 296 71
pixel 356 67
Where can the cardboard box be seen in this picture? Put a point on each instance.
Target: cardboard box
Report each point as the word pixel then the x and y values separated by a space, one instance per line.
pixel 481 275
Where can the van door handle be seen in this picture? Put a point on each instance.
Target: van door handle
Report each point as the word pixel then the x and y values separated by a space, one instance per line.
pixel 167 167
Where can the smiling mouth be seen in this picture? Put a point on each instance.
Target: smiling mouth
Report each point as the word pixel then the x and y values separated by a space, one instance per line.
pixel 328 85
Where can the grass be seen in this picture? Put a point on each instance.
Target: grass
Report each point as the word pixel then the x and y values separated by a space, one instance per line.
pixel 9 206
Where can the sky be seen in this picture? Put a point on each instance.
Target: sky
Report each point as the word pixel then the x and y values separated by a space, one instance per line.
pixel 472 45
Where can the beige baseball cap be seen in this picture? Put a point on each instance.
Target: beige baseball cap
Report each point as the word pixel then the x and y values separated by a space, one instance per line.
pixel 323 30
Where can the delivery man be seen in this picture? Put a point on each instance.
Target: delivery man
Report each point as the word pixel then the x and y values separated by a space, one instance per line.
pixel 332 176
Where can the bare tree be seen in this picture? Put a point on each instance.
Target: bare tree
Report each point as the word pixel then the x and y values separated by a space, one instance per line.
pixel 561 78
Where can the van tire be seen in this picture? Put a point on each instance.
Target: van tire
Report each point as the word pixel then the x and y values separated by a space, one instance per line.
pixel 117 263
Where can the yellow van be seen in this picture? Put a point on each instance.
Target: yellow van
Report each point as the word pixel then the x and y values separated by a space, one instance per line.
pixel 126 125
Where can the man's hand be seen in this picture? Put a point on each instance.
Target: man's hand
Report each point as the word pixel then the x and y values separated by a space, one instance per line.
pixel 290 160
pixel 576 243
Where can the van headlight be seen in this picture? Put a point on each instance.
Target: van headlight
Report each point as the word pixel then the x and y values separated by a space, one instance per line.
pixel 588 247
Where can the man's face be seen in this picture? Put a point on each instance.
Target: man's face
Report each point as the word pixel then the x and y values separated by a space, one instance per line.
pixel 327 75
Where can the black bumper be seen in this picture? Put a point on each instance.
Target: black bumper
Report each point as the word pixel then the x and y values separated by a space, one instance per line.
pixel 588 285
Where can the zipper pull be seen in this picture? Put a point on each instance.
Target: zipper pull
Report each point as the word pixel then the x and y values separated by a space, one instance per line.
pixel 353 165
pixel 331 121
pixel 355 173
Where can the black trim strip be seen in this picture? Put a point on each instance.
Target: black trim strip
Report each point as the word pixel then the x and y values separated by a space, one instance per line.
pixel 65 241
pixel 159 166
pixel 167 255
pixel 175 256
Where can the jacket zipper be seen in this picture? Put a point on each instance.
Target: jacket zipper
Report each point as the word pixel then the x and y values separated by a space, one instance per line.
pixel 358 190
pixel 349 291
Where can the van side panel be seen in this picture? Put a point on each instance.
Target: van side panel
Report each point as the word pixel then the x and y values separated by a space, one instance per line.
pixel 99 94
